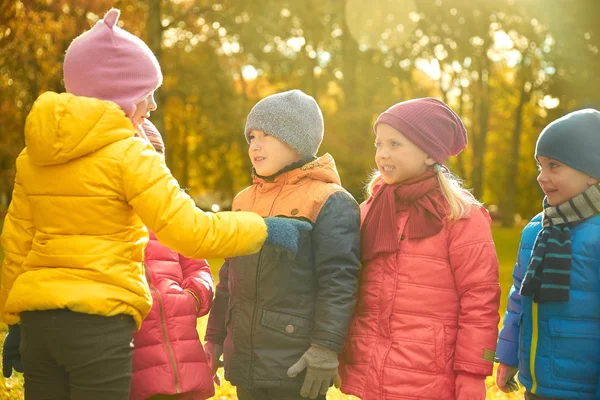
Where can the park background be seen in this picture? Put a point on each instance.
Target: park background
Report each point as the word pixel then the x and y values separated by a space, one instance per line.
pixel 507 67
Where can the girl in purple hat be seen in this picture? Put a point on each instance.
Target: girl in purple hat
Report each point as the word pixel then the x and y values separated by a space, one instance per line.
pixel 427 315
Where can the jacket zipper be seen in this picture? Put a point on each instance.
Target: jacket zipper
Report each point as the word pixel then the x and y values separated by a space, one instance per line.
pixel 164 330
pixel 534 342
pixel 256 286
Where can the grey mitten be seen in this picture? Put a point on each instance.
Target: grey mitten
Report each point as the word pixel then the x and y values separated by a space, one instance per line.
pixel 285 232
pixel 321 366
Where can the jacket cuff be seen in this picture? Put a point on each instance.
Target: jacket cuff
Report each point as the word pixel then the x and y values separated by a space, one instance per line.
pixel 467 367
pixel 470 375
pixel 215 337
pixel 507 353
pixel 328 340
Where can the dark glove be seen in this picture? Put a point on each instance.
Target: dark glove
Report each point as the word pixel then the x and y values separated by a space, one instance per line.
pixel 285 233
pixel 11 355
pixel 321 366
pixel 505 378
pixel 213 358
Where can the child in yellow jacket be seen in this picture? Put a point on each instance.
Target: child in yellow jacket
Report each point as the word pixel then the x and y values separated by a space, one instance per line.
pixel 74 236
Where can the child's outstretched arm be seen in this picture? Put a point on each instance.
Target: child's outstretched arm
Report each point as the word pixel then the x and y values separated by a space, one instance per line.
pixel 198 281
pixel 17 235
pixel 475 264
pixel 169 212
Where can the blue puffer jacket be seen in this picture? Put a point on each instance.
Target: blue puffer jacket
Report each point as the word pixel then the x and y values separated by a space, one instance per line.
pixel 557 345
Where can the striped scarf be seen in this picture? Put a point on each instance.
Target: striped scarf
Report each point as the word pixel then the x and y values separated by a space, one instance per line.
pixel 548 276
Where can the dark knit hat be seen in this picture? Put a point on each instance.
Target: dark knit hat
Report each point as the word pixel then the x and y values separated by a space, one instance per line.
pixel 292 117
pixel 430 124
pixel 573 140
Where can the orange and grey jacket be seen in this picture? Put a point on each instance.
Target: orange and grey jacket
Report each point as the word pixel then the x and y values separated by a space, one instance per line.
pixel 269 308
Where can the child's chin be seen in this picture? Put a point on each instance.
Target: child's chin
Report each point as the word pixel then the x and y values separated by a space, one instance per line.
pixel 264 171
pixel 391 180
pixel 553 202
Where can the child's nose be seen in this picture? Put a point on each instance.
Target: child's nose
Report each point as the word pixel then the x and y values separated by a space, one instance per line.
pixel 151 104
pixel 382 153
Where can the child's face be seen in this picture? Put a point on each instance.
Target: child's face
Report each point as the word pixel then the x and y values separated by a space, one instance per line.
pixel 268 154
pixel 561 182
pixel 398 159
pixel 143 109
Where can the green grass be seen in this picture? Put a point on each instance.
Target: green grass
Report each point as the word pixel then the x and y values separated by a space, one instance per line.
pixel 507 241
pixel 507 244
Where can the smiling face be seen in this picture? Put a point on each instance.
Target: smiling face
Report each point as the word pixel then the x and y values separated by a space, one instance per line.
pixel 398 159
pixel 560 182
pixel 268 154
pixel 143 109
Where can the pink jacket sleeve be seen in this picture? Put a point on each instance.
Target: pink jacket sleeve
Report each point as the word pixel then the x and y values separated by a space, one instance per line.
pixel 475 264
pixel 197 279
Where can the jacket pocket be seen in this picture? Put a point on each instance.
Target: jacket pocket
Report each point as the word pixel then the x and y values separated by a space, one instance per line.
pixel 418 347
pixel 575 349
pixel 287 324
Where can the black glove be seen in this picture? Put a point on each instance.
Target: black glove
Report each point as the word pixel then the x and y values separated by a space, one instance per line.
pixel 11 355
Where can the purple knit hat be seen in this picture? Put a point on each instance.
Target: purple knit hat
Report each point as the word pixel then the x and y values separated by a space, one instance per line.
pixel 109 63
pixel 430 124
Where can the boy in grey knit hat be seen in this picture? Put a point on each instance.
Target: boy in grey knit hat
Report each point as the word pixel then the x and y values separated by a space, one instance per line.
pixel 292 117
pixel 280 321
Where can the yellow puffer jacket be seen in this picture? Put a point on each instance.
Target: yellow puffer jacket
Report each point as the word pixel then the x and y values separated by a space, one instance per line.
pixel 74 235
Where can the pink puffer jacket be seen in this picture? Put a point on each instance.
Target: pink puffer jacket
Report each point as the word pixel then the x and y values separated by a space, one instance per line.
pixel 425 314
pixel 168 357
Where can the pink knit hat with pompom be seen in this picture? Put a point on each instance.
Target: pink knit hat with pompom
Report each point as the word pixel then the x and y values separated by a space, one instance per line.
pixel 109 63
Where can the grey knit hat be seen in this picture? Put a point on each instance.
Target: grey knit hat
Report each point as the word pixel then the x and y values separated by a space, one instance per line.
pixel 573 140
pixel 292 117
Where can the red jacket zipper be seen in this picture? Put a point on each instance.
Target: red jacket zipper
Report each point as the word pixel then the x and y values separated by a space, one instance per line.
pixel 164 330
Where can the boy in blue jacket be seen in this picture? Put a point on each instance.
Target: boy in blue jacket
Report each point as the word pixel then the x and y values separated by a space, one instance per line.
pixel 551 333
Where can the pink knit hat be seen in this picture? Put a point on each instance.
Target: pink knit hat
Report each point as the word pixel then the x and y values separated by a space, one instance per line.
pixel 109 63
pixel 430 124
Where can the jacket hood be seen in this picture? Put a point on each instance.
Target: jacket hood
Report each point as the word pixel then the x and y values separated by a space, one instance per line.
pixel 62 127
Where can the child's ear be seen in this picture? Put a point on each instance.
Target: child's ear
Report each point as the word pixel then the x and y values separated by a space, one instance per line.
pixel 429 161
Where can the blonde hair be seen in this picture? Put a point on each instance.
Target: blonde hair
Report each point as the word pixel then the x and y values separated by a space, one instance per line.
pixel 459 199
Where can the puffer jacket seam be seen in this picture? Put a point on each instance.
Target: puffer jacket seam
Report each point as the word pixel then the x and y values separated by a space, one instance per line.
pixel 470 244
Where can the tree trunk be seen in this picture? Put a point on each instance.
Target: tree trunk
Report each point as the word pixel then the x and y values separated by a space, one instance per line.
pixel 513 163
pixel 460 165
pixel 155 32
pixel 479 144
